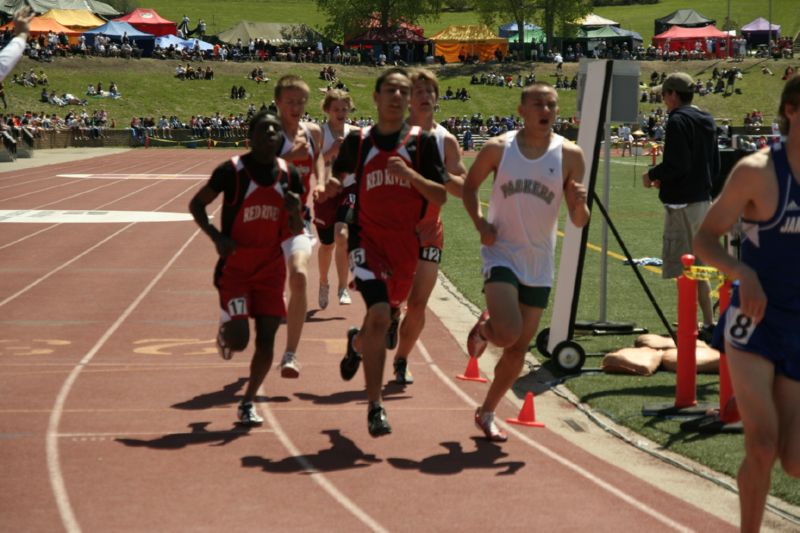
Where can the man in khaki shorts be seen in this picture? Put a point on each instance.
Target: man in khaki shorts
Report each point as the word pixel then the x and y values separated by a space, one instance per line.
pixel 684 177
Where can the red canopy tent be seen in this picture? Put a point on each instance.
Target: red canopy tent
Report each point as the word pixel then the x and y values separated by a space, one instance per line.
pixel 148 21
pixel 686 38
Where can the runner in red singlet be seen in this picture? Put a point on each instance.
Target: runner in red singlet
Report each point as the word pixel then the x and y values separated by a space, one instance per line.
pixel 261 210
pixel 398 172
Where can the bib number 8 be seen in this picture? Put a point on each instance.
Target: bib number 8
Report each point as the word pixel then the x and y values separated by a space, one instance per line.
pixel 739 327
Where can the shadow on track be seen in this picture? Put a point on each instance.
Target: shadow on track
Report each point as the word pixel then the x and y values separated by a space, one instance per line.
pixel 342 455
pixel 456 460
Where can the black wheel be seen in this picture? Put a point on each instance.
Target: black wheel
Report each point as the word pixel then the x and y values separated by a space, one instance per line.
pixel 542 338
pixel 569 357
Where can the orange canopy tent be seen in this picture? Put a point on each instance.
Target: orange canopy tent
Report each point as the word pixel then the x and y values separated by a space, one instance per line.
pixel 474 40
pixel 44 25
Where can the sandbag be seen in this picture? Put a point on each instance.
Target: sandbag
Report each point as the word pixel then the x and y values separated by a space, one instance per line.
pixel 651 340
pixel 707 360
pixel 659 342
pixel 637 361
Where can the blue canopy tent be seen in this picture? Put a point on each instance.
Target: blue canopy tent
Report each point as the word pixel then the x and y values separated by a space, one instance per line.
pixel 115 31
pixel 506 30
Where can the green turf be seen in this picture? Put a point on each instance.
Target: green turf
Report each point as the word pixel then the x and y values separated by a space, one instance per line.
pixel 637 214
pixel 148 87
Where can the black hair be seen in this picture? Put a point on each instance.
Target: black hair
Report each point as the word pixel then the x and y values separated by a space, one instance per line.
pixel 259 118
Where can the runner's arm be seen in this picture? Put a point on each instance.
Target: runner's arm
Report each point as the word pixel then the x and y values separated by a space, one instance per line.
pixel 454 166
pixel 739 192
pixel 487 161
pixel 575 192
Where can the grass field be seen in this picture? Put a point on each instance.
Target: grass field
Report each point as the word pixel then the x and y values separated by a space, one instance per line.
pixel 149 87
pixel 637 18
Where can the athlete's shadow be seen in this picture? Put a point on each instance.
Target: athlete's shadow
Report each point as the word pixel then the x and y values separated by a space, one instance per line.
pixel 198 435
pixel 311 316
pixel 390 392
pixel 342 455
pixel 456 460
pixel 227 396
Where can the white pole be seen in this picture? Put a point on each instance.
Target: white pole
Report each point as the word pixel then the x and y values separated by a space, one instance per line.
pixel 604 236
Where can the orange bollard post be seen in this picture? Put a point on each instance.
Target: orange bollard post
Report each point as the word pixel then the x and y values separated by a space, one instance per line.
pixel 686 375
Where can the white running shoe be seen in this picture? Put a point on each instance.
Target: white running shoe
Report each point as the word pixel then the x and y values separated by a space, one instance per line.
pixel 248 415
pixel 344 297
pixel 289 366
pixel 324 288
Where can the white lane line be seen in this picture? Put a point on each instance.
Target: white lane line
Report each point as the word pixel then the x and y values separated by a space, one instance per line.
pixel 37 191
pixel 317 476
pixel 101 206
pixel 550 453
pixel 53 464
pixel 86 252
pixel 110 176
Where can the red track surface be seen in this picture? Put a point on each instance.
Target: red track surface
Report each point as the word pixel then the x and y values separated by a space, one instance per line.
pixel 117 414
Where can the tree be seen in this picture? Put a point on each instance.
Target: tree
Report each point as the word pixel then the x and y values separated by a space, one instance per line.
pixel 351 17
pixel 548 13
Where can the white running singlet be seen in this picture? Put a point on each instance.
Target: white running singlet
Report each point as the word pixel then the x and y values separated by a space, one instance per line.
pixel 526 197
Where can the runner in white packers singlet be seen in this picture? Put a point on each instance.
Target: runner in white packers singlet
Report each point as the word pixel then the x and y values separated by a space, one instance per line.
pixel 533 170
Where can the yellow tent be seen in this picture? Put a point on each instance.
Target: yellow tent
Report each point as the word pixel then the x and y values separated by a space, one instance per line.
pixel 77 19
pixel 475 40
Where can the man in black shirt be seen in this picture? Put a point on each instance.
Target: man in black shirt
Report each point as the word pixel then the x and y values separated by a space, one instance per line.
pixel 684 177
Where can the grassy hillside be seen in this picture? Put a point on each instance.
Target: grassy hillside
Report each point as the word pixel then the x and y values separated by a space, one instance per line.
pixel 637 18
pixel 149 87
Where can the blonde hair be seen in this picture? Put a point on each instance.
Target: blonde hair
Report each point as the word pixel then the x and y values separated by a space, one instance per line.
pixel 334 95
pixel 427 75
pixel 290 81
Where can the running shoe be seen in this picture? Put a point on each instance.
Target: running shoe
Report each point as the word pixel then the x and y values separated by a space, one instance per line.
pixel 248 415
pixel 476 343
pixel 402 375
pixel 324 288
pixel 485 423
pixel 352 359
pixel 377 424
pixel 344 297
pixel 290 368
pixel 224 352
pixel 391 334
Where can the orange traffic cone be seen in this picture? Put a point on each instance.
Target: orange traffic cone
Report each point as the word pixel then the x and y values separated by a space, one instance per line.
pixel 527 415
pixel 472 373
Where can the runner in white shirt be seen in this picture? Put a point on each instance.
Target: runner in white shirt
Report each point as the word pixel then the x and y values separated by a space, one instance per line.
pixel 533 169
